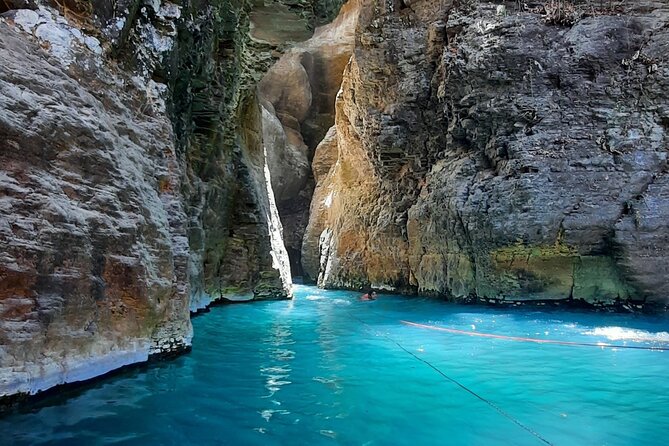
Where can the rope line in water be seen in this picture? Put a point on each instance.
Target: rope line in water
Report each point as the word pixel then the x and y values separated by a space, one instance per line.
pixel 535 340
pixel 458 383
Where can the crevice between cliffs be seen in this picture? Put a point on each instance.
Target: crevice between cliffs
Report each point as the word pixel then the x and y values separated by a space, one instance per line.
pixel 297 97
pixel 134 178
pixel 157 158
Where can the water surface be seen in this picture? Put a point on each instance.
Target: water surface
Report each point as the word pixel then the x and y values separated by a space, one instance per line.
pixel 328 369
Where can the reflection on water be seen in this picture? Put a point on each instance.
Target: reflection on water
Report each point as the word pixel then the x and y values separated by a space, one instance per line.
pixel 309 372
pixel 277 371
pixel 621 333
pixel 267 413
pixel 331 383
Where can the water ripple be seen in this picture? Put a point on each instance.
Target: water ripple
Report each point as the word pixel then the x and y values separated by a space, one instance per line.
pixel 628 334
pixel 308 372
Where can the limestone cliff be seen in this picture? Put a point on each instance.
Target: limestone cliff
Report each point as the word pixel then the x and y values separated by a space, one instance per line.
pixel 486 153
pixel 151 151
pixel 94 260
pixel 134 184
pixel 298 96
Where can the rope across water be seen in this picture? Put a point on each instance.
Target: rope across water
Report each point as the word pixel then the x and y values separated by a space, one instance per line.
pixel 456 382
pixel 495 336
pixel 535 340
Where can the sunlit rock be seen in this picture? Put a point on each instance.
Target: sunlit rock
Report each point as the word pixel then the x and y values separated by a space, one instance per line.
pixel 93 267
pixel 479 161
pixel 299 94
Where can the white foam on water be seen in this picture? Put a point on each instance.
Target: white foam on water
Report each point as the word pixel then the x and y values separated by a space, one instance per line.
pixel 328 433
pixel 629 334
pixel 269 413
pixel 315 297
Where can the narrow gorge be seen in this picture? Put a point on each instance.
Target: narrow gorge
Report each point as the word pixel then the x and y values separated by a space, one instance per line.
pixel 158 157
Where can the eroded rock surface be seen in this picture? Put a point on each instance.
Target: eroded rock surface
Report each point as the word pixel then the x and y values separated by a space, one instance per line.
pixel 486 154
pixel 477 152
pixel 298 96
pixel 93 267
pixel 135 185
pixel 385 123
pixel 222 54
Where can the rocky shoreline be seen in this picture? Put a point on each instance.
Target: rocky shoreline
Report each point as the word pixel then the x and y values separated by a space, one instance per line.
pixel 25 401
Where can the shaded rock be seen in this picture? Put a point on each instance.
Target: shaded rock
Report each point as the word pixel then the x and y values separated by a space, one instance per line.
pixel 532 210
pixel 114 210
pixel 276 24
pixel 286 86
pixel 19 4
pixel 218 128
pixel 319 213
pixel 287 155
pixel 326 154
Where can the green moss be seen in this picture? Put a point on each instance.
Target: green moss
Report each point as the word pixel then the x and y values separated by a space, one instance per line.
pixel 232 290
pixel 597 279
pixel 521 251
pixel 523 271
pixel 555 271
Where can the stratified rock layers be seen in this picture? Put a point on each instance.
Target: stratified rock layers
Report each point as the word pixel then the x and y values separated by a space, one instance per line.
pixel 93 267
pixel 485 155
pixel 224 49
pixel 476 153
pixel 134 181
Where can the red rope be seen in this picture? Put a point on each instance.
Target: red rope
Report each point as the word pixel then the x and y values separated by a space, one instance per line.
pixel 522 339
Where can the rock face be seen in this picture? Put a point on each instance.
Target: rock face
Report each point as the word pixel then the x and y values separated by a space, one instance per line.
pixel 94 261
pixel 486 154
pixel 133 176
pixel 385 116
pixel 473 152
pixel 222 53
pixel 298 96
pixel 212 75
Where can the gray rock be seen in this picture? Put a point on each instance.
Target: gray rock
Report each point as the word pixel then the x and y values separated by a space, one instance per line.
pixel 298 93
pixel 94 246
pixel 510 158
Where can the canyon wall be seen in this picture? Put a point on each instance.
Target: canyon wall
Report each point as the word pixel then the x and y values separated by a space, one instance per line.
pixel 298 96
pixel 150 153
pixel 94 262
pixel 486 154
pixel 134 183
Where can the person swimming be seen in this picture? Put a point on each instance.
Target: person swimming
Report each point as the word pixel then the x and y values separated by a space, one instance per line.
pixel 370 295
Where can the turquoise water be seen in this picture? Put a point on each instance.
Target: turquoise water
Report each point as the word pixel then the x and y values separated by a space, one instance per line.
pixel 327 369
